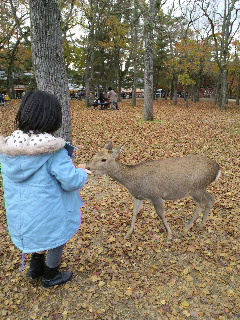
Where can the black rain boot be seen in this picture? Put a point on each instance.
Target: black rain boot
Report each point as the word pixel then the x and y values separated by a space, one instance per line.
pixel 53 277
pixel 36 266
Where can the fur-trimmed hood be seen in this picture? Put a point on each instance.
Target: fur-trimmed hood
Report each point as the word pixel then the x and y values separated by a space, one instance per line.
pixel 22 154
pixel 20 143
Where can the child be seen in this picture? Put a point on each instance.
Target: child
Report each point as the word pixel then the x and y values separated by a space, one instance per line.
pixel 41 187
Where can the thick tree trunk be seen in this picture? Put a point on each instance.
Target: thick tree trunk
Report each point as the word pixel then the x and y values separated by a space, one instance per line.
pixel 89 77
pixel 148 83
pixel 90 65
pixel 48 60
pixel 223 90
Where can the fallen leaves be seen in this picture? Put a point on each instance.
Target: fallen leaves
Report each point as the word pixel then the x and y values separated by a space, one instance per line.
pixel 143 277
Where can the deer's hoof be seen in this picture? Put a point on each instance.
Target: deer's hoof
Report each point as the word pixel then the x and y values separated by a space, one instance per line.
pixel 202 224
pixel 169 237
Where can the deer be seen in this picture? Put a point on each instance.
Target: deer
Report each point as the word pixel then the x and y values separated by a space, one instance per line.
pixel 171 178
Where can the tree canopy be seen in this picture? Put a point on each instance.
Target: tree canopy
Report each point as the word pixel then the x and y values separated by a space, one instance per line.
pixel 194 49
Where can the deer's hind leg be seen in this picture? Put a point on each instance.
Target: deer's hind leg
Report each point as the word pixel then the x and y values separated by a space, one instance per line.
pixel 159 207
pixel 209 203
pixel 137 206
pixel 204 204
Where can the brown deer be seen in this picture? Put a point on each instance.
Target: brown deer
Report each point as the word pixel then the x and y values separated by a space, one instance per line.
pixel 159 180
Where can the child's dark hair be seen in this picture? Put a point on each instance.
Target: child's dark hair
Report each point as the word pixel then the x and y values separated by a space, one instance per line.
pixel 39 112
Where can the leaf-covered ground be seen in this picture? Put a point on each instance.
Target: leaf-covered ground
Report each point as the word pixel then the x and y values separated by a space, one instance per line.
pixel 145 277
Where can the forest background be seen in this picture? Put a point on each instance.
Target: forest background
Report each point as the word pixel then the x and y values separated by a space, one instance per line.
pixel 194 46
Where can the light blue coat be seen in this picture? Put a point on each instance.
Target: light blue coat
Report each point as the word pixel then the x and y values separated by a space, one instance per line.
pixel 41 190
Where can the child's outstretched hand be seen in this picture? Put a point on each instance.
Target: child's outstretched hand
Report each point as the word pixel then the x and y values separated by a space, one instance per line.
pixel 83 166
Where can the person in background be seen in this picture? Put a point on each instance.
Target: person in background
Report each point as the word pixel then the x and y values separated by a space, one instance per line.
pixel 91 98
pixel 6 98
pixel 41 187
pixel 112 96
pixel 2 99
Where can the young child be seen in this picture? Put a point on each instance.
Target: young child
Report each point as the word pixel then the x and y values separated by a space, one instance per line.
pixel 41 187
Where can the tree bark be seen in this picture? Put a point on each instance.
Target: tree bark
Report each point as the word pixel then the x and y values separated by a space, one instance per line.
pixel 238 90
pixel 90 62
pixel 135 23
pixel 48 59
pixel 174 89
pixel 148 60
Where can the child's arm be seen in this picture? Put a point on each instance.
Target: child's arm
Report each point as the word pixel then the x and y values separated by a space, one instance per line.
pixel 62 167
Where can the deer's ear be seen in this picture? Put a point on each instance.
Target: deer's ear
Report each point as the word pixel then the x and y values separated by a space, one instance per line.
pixel 117 150
pixel 109 145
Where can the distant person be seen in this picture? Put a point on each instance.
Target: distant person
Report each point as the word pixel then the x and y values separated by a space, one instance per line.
pixel 2 99
pixel 91 99
pixel 41 187
pixel 112 96
pixel 6 98
pixel 101 97
pixel 104 104
pixel 76 95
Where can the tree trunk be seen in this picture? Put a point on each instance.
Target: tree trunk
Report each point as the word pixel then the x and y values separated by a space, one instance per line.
pixel 223 90
pixel 175 84
pixel 148 59
pixel 90 64
pixel 135 53
pixel 194 90
pixel 148 83
pixel 48 61
pixel 166 94
pixel 10 82
pixel 119 74
pixel 172 89
pixel 238 91
pixel 185 92
pixel 89 77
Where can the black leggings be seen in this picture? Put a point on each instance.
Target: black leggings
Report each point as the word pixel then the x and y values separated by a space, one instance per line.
pixel 53 259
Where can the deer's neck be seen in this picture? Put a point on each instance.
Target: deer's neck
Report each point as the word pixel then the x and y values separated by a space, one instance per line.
pixel 120 172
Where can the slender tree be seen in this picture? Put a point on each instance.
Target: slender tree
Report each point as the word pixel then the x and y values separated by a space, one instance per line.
pixel 149 22
pixel 134 35
pixel 223 31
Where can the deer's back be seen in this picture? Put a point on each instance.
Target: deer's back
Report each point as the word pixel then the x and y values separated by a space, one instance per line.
pixel 171 178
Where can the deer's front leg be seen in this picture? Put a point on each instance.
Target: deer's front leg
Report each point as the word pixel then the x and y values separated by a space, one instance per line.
pixel 137 206
pixel 159 207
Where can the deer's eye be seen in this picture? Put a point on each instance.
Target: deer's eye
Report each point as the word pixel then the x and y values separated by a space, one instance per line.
pixel 103 160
